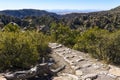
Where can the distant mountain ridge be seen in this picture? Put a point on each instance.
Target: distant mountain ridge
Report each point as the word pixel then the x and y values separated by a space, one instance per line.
pixel 69 11
pixel 22 13
pixel 26 12
pixel 108 19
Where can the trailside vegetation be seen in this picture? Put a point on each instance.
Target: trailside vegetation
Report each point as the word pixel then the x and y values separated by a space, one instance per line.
pixel 99 43
pixel 21 49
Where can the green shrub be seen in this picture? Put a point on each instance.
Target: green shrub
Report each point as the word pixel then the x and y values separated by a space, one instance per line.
pixel 63 34
pixel 12 27
pixel 89 39
pixel 112 49
pixel 100 44
pixel 21 50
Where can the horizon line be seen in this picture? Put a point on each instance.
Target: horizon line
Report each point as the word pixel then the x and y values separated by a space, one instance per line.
pixel 54 9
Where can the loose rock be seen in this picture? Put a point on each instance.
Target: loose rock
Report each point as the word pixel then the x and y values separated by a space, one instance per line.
pixel 79 73
pixel 91 76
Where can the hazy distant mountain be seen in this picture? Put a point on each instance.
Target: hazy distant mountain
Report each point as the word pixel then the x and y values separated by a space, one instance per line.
pixel 26 12
pixel 32 12
pixel 68 11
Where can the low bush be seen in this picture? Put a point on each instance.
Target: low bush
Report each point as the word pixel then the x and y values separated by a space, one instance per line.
pixel 21 49
pixel 100 44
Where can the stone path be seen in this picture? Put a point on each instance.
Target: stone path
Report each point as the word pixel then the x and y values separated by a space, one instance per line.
pixel 83 67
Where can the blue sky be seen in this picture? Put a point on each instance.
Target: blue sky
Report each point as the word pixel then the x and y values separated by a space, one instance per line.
pixel 59 4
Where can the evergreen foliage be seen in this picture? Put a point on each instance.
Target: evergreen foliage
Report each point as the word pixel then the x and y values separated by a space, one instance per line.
pixel 21 49
pixel 100 44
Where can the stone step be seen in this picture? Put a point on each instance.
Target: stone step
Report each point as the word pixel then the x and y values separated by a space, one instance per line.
pixel 2 78
pixel 85 67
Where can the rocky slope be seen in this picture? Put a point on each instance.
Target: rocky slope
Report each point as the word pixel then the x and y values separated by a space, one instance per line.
pixel 83 66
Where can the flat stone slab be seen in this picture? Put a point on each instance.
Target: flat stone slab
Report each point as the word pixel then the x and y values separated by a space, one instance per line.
pixel 90 76
pixel 66 76
pixel 2 78
pixel 114 71
pixel 118 78
pixel 79 73
pixel 105 77
pixel 86 65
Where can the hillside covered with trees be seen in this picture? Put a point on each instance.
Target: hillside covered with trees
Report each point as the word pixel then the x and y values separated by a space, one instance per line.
pixel 32 18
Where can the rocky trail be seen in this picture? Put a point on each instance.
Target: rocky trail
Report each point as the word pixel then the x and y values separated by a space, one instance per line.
pixel 80 66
